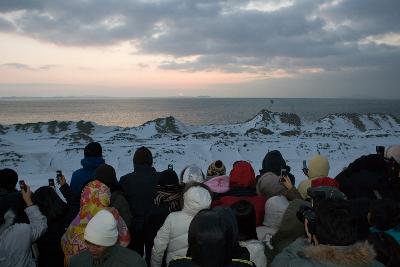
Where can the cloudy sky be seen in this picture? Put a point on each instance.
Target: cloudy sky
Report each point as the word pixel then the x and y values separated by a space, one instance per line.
pixel 234 48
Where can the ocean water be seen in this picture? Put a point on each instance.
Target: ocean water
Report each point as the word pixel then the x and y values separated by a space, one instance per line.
pixel 136 111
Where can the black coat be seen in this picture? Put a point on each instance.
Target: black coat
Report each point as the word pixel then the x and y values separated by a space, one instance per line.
pixel 363 176
pixel 139 188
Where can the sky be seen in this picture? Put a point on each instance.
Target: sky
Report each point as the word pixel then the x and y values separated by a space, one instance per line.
pixel 178 48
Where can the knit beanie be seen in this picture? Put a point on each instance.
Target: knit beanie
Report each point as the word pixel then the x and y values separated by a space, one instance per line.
pixel 268 185
pixel 192 174
pixel 393 152
pixel 324 181
pixel 318 167
pixel 93 149
pixel 8 179
pixel 217 168
pixel 102 229
pixel 143 156
pixel 106 174
pixel 273 162
pixel 168 177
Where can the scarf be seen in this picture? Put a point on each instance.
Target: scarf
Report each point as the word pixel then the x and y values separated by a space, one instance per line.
pixel 170 195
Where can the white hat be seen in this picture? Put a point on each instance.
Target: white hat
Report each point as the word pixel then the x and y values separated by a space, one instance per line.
pixel 102 229
pixel 192 174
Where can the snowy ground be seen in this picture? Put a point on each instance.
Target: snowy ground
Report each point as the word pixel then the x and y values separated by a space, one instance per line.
pixel 37 150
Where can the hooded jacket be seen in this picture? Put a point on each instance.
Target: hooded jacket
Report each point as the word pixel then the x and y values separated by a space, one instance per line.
pixel 318 167
pixel 173 235
pixel 86 173
pixel 16 240
pixel 242 186
pixel 300 253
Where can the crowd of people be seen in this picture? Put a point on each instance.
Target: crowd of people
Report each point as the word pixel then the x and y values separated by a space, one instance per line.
pixel 206 219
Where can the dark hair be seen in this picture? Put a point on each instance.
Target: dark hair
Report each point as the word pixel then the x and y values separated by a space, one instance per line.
pixel 8 179
pixel 384 214
pixel 246 220
pixel 93 149
pixel 143 156
pixel 386 247
pixel 335 224
pixel 106 174
pixel 168 177
pixel 49 203
pixel 210 240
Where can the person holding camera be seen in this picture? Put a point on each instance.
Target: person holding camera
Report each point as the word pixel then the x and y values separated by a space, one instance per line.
pixel 331 239
pixel 17 235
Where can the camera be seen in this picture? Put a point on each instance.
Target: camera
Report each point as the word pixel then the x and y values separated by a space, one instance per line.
pixel 22 185
pixel 51 182
pixel 307 212
pixel 59 175
pixel 170 167
pixel 380 150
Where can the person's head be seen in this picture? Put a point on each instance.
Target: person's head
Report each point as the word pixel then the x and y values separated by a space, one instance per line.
pixel 210 240
pixel 8 179
pixel 168 177
pixel 101 233
pixel 106 174
pixel 386 247
pixel 335 224
pixel 95 195
pixel 242 175
pixel 393 152
pixel 275 208
pixel 273 162
pixel 216 168
pixel 192 174
pixel 49 203
pixel 384 214
pixel 246 220
pixel 196 196
pixel 143 157
pixel 318 166
pixel 269 185
pixel 93 149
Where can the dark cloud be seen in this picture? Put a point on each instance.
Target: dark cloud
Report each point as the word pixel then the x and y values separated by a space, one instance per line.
pixel 27 67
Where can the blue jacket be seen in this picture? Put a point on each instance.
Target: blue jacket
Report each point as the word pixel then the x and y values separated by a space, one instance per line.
pixel 81 176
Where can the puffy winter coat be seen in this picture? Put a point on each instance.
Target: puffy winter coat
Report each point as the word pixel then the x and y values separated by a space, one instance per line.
pixel 84 174
pixel 242 186
pixel 173 235
pixel 300 253
pixel 256 250
pixel 16 240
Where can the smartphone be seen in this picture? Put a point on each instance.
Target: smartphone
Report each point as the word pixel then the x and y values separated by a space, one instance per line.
pixel 304 164
pixel 170 167
pixel 51 182
pixel 22 185
pixel 380 150
pixel 283 174
pixel 59 175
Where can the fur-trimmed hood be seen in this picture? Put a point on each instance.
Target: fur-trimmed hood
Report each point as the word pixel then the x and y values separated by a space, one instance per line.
pixel 359 254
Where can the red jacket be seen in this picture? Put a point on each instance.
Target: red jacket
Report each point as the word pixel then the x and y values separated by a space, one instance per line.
pixel 242 186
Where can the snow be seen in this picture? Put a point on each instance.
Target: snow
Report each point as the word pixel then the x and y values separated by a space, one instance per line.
pixel 37 150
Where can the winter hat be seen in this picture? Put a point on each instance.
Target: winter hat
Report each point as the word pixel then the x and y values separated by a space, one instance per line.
pixel 168 177
pixel 318 167
pixel 93 149
pixel 273 162
pixel 242 175
pixel 195 199
pixel 8 179
pixel 268 185
pixel 192 174
pixel 324 181
pixel 326 192
pixel 143 156
pixel 393 152
pixel 217 168
pixel 219 184
pixel 275 208
pixel 106 174
pixel 102 229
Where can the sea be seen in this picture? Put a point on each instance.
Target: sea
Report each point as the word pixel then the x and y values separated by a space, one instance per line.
pixel 127 112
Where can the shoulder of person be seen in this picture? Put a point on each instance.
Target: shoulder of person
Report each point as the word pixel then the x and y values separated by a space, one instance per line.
pixel 129 256
pixel 81 259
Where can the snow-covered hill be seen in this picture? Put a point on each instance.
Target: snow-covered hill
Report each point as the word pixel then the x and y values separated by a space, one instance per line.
pixel 37 150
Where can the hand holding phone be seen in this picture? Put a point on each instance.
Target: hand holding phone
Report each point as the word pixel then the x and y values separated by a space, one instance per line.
pixel 26 193
pixel 22 185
